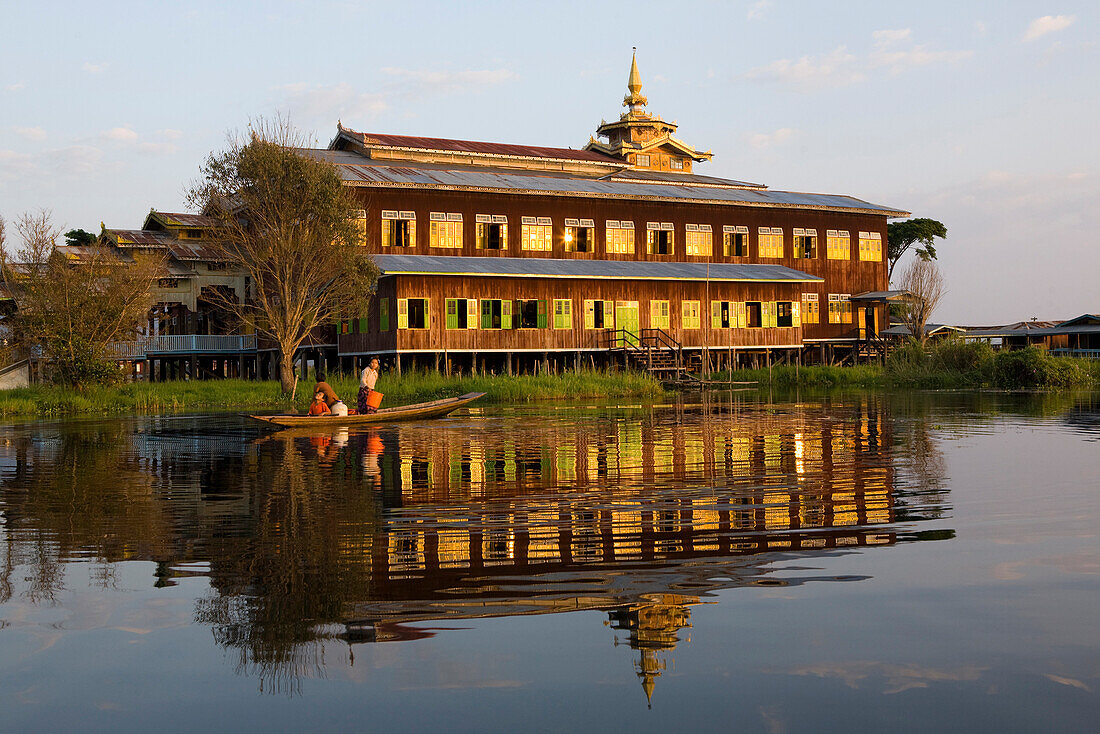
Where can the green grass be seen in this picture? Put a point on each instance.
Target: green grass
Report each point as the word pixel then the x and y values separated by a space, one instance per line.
pixel 948 364
pixel 212 395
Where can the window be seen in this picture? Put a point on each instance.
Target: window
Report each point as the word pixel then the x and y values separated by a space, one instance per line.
pixel 811 313
pixel 689 315
pixel 676 164
pixel 168 282
pixel 770 242
pixel 462 313
pixel 755 314
pixel 620 237
pixel 599 314
pixel 492 232
pixel 698 240
pixel 727 314
pixel 445 230
pixel 641 159
pixel 658 238
pixel 580 235
pixel 786 314
pixel 412 313
pixel 870 247
pixel 496 313
pixel 192 234
pixel 840 308
pixel 216 267
pixel 658 314
pixel 805 244
pixel 735 241
pixel 838 244
pixel 563 313
pixel 531 314
pixel 383 314
pixel 536 233
pixel 398 229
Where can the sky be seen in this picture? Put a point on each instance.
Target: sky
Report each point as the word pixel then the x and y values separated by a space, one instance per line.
pixel 982 115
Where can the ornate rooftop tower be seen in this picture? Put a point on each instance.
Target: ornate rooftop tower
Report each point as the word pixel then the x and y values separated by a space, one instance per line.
pixel 641 139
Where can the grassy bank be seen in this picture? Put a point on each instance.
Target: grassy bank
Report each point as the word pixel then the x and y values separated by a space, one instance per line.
pixel 164 397
pixel 949 364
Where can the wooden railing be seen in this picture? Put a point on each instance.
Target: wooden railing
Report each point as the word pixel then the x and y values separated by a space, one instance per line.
pixel 653 348
pixel 1080 353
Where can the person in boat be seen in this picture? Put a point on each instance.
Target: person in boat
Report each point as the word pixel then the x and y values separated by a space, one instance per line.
pixel 319 406
pixel 367 380
pixel 335 404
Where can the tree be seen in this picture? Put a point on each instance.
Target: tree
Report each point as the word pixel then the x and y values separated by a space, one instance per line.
pixel 287 221
pixel 74 306
pixel 79 237
pixel 900 236
pixel 924 281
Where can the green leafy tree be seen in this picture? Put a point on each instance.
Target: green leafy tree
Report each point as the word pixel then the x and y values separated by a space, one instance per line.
pixel 902 236
pixel 79 237
pixel 288 223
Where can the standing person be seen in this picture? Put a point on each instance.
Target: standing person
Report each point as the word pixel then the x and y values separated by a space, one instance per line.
pixel 367 380
pixel 335 404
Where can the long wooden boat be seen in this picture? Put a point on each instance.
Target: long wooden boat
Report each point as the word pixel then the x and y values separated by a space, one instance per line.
pixel 419 411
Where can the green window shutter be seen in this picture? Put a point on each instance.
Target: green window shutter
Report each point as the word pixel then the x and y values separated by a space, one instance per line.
pixel 362 326
pixel 384 314
pixel 402 313
pixel 506 314
pixel 471 313
pixel 427 313
pixel 542 313
pixel 716 314
pixel 452 313
pixel 609 314
pixel 486 313
pixel 589 314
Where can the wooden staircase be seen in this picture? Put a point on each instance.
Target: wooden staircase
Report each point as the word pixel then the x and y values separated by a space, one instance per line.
pixel 652 350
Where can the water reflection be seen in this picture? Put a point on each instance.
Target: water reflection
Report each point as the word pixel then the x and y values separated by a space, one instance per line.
pixel 314 543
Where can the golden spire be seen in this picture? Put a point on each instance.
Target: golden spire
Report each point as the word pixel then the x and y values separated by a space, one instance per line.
pixel 634 99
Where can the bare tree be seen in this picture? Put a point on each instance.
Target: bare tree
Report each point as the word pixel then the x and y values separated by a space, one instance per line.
pixel 288 223
pixel 924 281
pixel 73 304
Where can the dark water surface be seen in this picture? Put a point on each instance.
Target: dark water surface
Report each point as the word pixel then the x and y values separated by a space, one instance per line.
pixel 911 562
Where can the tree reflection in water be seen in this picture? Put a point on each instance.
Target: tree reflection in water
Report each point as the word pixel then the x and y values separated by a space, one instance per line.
pixel 336 539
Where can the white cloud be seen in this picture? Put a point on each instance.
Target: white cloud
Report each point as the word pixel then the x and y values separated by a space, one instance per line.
pixel 17 87
pixel 33 134
pixel 94 68
pixel 756 10
pixel 120 134
pixel 892 50
pixel 15 165
pixel 768 140
pixel 1048 24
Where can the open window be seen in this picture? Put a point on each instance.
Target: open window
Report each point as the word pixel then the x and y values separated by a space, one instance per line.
pixel 531 314
pixel 599 314
pixel 492 232
pixel 735 241
pixel 462 313
pixel 784 313
pixel 398 229
pixel 659 238
pixel 805 244
pixel 412 313
pixel 496 313
pixel 580 235
pixel 754 314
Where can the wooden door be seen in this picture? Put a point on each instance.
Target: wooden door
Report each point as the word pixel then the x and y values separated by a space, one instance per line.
pixel 626 317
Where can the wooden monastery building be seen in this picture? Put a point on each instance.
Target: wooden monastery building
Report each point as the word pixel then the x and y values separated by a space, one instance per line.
pixel 497 252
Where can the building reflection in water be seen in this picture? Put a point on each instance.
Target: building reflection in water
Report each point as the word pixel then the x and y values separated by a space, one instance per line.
pixel 382 534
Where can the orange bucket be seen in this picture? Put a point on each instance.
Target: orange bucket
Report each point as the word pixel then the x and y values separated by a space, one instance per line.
pixel 374 399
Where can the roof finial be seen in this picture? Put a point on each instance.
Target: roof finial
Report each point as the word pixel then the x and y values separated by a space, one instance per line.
pixel 634 100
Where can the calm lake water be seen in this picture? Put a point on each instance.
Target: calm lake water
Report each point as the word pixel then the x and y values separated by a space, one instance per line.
pixel 910 562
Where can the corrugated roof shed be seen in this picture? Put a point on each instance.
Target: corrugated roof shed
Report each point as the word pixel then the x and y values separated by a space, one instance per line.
pixel 538 267
pixel 477 147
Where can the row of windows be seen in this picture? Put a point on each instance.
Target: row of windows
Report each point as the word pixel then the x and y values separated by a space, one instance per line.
pixel 497 313
pixel 579 235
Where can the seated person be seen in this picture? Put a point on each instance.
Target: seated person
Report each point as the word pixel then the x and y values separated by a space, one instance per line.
pixel 335 405
pixel 319 406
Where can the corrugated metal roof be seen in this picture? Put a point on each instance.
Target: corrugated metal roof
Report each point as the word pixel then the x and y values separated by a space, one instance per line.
pixel 881 296
pixel 538 267
pixel 478 147
pixel 679 178
pixel 140 238
pixel 1037 332
pixel 366 172
pixel 189 220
